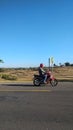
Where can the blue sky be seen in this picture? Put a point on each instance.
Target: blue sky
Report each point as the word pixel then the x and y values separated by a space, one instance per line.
pixel 31 31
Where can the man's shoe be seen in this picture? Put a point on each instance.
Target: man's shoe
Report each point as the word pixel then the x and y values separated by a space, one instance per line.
pixel 44 82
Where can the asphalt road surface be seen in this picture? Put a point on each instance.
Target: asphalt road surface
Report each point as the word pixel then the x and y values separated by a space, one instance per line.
pixel 24 107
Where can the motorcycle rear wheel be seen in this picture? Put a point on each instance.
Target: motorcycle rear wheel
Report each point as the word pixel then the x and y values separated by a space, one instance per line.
pixel 36 82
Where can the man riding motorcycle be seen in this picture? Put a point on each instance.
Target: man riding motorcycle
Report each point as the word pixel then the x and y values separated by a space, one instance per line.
pixel 42 72
pixel 44 77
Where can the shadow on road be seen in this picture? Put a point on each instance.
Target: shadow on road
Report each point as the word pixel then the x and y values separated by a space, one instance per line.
pixel 20 85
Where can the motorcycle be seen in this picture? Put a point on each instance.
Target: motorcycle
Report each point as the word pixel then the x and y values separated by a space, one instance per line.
pixel 39 80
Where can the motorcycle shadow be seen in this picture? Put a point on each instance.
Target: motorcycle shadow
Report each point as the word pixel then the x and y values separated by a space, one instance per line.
pixel 23 85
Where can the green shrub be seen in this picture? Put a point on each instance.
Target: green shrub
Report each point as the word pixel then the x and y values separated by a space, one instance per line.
pixel 8 77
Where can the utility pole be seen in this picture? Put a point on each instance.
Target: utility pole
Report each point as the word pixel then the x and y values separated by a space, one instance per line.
pixel 49 62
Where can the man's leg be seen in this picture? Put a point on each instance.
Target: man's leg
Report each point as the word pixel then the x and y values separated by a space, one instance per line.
pixel 45 78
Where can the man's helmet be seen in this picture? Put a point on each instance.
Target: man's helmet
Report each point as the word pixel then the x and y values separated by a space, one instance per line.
pixel 41 65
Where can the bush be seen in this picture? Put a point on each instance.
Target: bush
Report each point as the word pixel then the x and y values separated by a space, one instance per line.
pixel 2 70
pixel 8 77
pixel 71 64
pixel 67 64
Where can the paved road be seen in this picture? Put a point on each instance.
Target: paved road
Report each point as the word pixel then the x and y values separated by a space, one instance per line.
pixel 24 107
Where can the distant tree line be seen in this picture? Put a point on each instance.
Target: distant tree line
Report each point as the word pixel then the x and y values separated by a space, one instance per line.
pixel 68 64
pixel 65 64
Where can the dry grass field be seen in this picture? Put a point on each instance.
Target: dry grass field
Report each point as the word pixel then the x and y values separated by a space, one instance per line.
pixel 22 75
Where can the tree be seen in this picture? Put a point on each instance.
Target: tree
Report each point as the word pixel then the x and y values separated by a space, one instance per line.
pixel 1 61
pixel 54 65
pixel 67 64
pixel 71 65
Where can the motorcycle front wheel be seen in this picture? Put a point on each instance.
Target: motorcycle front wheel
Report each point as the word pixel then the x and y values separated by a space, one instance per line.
pixel 54 82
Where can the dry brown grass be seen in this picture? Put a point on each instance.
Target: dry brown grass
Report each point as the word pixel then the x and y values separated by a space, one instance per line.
pixel 61 73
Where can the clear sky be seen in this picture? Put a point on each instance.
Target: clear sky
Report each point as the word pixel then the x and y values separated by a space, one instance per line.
pixel 31 31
